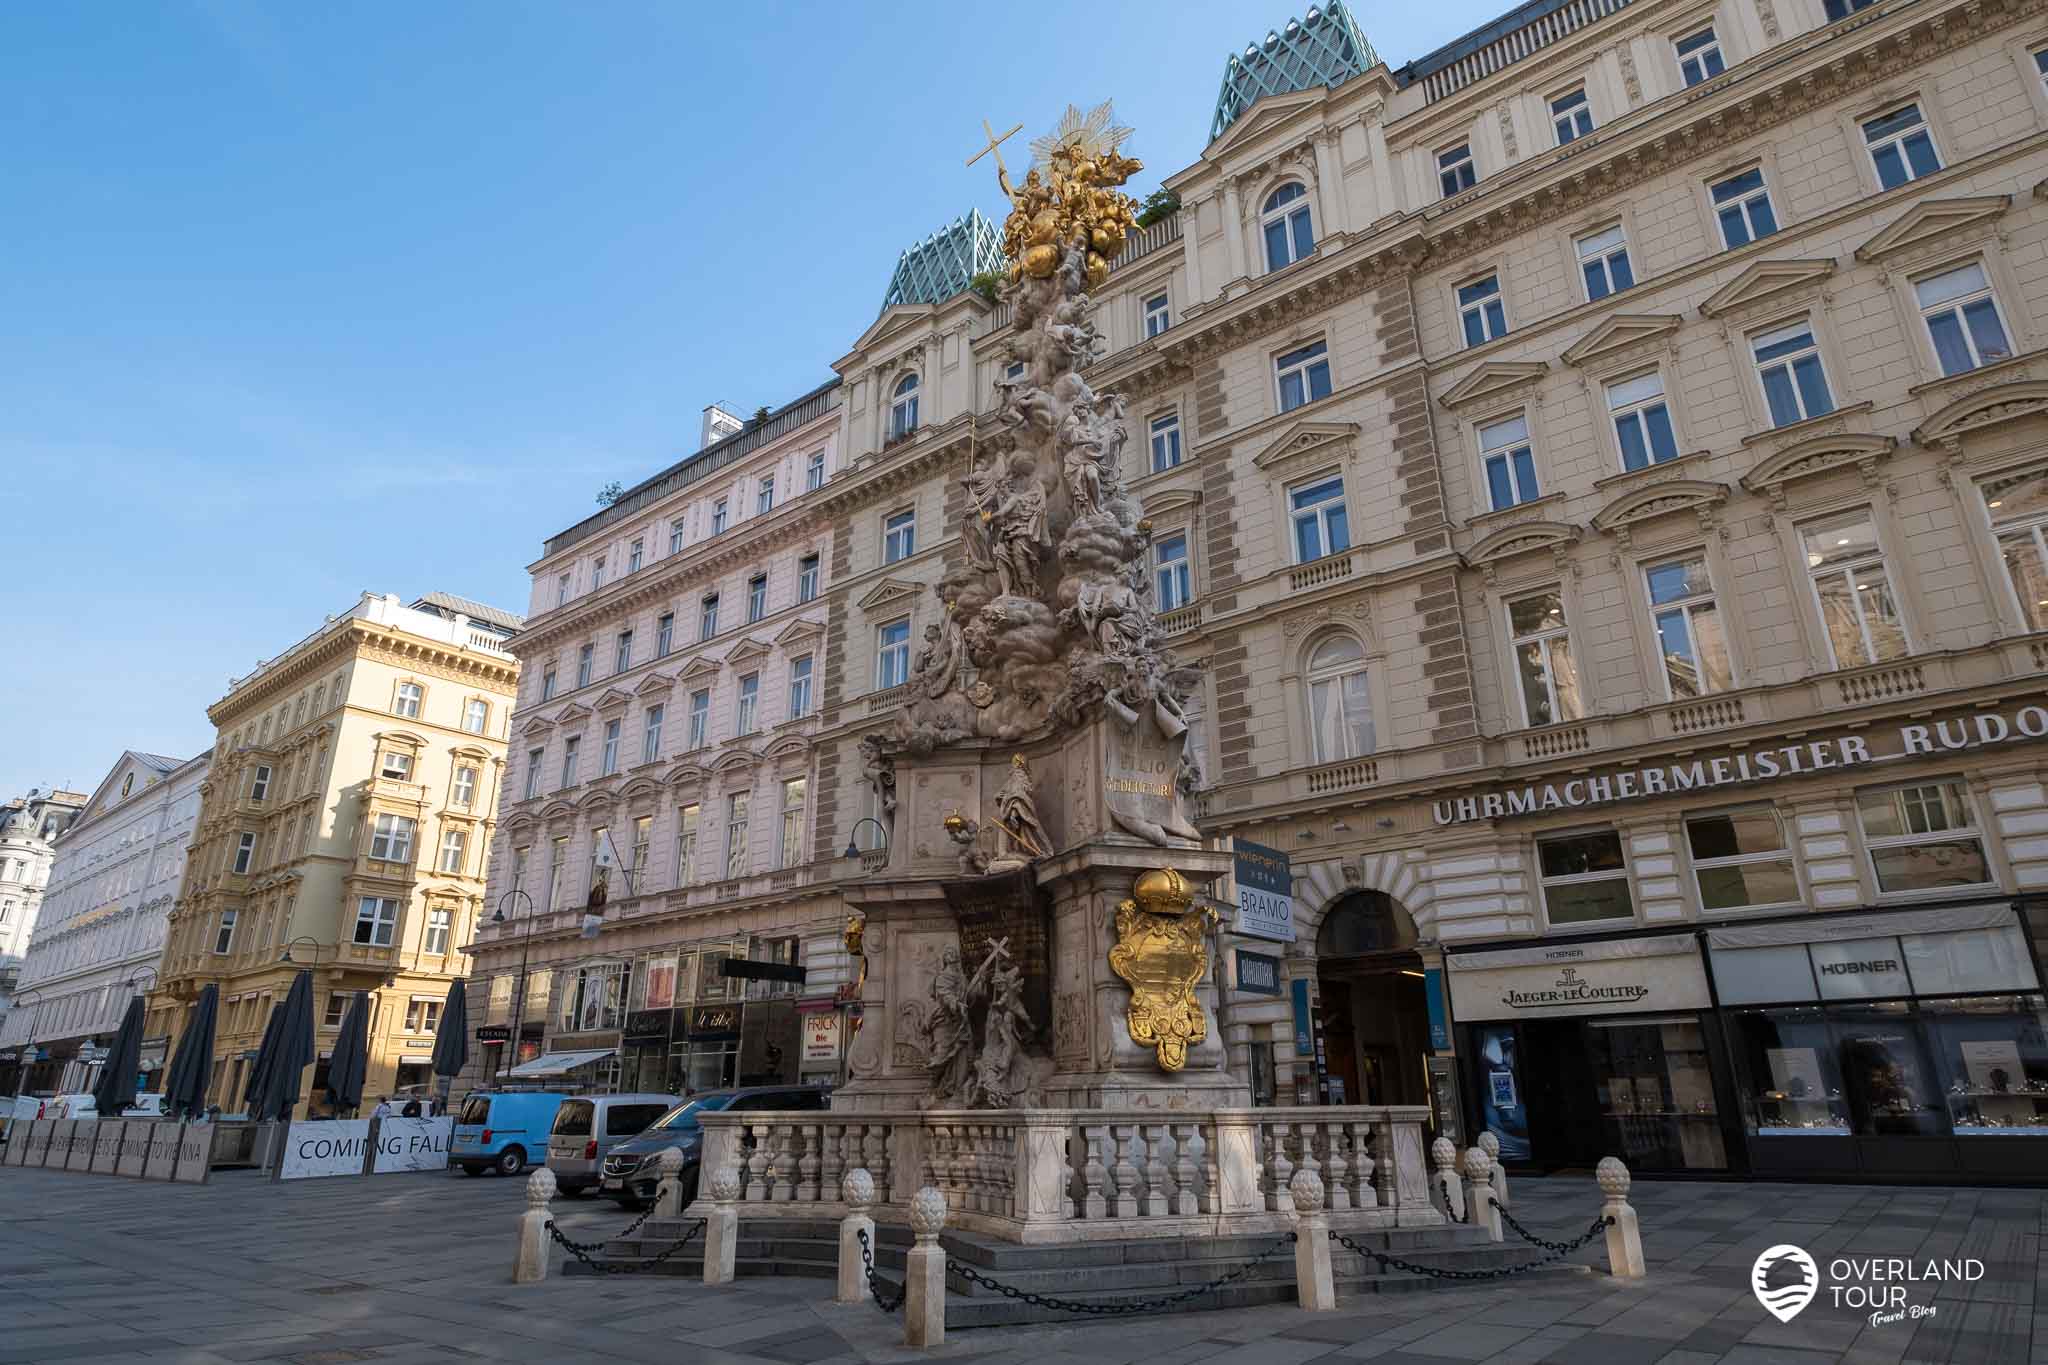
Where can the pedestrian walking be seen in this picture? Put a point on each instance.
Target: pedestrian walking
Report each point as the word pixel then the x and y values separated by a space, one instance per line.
pixel 412 1108
pixel 383 1109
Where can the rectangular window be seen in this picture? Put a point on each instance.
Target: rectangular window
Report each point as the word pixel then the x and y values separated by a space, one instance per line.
pixel 622 653
pixel 899 537
pixel 1699 56
pixel 608 762
pixel 800 686
pixel 224 937
pixel 454 843
pixel 1846 567
pixel 558 866
pixel 1604 264
pixel 1742 203
pixel 397 767
pixel 892 655
pixel 634 558
pixel 2041 64
pixel 789 848
pixel 750 696
pixel 1572 116
pixel 1923 838
pixel 675 536
pixel 643 836
pixel 1304 375
pixel 245 853
pixel 585 661
pixel 1688 628
pixel 807 578
pixel 650 734
pixel 1481 310
pixel 1170 572
pixel 1542 648
pixel 814 471
pixel 533 763
pixel 719 513
pixel 764 496
pixel 597 573
pixel 1165 441
pixel 1158 316
pixel 1510 469
pixel 391 839
pixel 464 793
pixel 1585 878
pixel 664 634
pixel 547 683
pixel 376 921
pixel 476 715
pixel 686 845
pixel 757 597
pixel 1901 147
pixel 562 590
pixel 700 718
pixel 436 945
pixel 736 835
pixel 707 617
pixel 1320 524
pixel 259 782
pixel 337 1004
pixel 569 755
pixel 2019 519
pixel 409 695
pixel 1739 859
pixel 1962 319
pixel 1454 170
pixel 1788 365
pixel 424 1016
pixel 1642 422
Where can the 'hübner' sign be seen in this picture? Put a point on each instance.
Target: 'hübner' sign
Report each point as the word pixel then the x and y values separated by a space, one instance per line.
pixel 1754 765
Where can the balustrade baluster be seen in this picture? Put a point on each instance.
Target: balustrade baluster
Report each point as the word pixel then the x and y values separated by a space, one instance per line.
pixel 1094 1176
pixel 832 1164
pixel 1184 1202
pixel 1337 1144
pixel 807 1166
pixel 1123 1137
pixel 1210 1199
pixel 1311 1138
pixel 1279 1169
pixel 1158 1200
pixel 875 1144
pixel 757 1166
pixel 1363 1196
pixel 783 1167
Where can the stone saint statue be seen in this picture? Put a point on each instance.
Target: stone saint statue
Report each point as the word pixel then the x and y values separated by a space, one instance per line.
pixel 1019 532
pixel 1017 811
pixel 948 1033
pixel 1007 1022
pixel 943 658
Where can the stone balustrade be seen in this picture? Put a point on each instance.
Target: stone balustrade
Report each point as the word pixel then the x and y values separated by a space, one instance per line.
pixel 1051 1175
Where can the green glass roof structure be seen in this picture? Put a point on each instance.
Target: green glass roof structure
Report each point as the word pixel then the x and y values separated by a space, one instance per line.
pixel 940 266
pixel 1323 47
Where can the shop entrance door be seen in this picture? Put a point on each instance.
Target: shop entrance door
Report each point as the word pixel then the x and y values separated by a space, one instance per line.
pixel 1375 1011
pixel 1563 1110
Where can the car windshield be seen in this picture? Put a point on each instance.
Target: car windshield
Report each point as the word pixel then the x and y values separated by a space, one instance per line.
pixel 686 1116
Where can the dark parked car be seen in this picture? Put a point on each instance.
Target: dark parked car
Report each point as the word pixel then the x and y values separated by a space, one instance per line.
pixel 629 1174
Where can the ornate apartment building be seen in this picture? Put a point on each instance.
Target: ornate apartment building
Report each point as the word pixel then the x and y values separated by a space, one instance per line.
pixel 1601 466
pixel 29 828
pixel 344 826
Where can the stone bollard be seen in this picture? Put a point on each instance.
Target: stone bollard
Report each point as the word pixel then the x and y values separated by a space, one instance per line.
pixel 532 1265
pixel 858 1190
pixel 668 1187
pixel 1445 1153
pixel 1500 1175
pixel 1478 1175
pixel 924 1302
pixel 1624 1237
pixel 722 1226
pixel 1315 1283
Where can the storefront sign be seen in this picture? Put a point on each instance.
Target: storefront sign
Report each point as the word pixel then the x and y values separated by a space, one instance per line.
pixel 1941 950
pixel 1304 1020
pixel 1860 969
pixel 1439 1012
pixel 715 1023
pixel 1258 973
pixel 821 1036
pixel 412 1145
pixel 324 1148
pixel 1265 892
pixel 494 1033
pixel 1618 976
pixel 647 1024
pixel 1979 730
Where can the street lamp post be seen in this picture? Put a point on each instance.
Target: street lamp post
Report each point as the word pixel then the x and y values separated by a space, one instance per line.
pixel 519 992
pixel 853 846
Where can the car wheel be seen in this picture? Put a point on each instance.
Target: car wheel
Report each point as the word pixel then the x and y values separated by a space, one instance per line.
pixel 511 1161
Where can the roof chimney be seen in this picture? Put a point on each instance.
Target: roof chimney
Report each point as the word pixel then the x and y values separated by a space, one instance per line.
pixel 718 424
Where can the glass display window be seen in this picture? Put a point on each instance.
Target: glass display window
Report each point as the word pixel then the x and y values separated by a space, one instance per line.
pixel 1993 1057
pixel 1656 1092
pixel 1886 1072
pixel 1786 1074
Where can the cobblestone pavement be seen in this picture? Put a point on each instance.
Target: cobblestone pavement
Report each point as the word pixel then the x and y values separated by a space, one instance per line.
pixel 404 1269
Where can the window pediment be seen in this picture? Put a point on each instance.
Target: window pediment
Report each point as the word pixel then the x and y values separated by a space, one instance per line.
pixel 1813 458
pixel 1698 496
pixel 1492 380
pixel 1619 335
pixel 1268 113
pixel 746 652
pixel 889 591
pixel 1307 438
pixel 571 713
pixel 537 725
pixel 654 684
pixel 799 632
pixel 735 759
pixel 1933 220
pixel 683 774
pixel 557 810
pixel 698 670
pixel 613 699
pixel 1528 537
pixel 639 786
pixel 1986 407
pixel 1765 280
pixel 789 746
pixel 1169 501
pixel 894 323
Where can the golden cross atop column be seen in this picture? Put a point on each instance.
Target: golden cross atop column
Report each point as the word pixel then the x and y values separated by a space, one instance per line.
pixel 993 146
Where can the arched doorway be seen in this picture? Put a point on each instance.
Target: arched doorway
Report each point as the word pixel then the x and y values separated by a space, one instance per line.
pixel 1375 1008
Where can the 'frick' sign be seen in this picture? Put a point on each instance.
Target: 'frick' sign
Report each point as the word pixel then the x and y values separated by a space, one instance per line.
pixel 1753 765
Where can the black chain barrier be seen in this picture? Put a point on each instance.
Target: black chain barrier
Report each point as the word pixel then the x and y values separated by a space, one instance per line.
pixel 867 1260
pixel 1115 1309
pixel 1556 1251
pixel 1451 1210
pixel 1562 1248
pixel 582 1250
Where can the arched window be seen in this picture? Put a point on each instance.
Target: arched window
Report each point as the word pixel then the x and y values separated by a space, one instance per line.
pixel 1339 708
pixel 1285 221
pixel 903 408
pixel 1364 922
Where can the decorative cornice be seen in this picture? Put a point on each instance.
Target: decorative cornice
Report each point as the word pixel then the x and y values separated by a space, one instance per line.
pixel 1986 407
pixel 1815 457
pixel 1765 280
pixel 1618 334
pixel 1523 538
pixel 1933 220
pixel 1494 379
pixel 1698 496
pixel 1303 439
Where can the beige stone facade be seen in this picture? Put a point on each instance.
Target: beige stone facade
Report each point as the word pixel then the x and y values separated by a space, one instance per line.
pixel 346 821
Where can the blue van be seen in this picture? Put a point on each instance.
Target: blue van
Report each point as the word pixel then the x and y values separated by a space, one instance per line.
pixel 503 1130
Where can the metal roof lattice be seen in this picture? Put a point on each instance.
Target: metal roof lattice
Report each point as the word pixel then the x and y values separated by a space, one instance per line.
pixel 1323 47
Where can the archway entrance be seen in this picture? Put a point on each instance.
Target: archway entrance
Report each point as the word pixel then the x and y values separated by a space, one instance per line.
pixel 1375 1009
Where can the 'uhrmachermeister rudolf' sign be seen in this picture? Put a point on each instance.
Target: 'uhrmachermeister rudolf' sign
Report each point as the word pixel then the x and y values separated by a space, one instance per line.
pixel 1764 764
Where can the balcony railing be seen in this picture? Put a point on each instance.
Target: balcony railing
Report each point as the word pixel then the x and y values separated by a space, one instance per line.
pixel 1328 569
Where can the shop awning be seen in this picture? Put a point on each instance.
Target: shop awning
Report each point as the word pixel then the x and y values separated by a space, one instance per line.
pixel 559 1063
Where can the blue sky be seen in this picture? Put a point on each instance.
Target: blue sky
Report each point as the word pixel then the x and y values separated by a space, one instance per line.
pixel 302 300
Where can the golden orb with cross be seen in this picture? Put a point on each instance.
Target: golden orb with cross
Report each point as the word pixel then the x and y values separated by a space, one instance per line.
pixel 1069 194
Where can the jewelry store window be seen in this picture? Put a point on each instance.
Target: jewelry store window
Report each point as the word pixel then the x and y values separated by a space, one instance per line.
pixel 1656 1089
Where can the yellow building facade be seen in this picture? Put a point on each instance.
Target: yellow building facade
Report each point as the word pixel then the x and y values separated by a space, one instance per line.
pixel 345 828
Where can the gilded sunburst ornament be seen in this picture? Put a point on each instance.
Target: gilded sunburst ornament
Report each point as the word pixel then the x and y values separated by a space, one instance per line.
pixel 1096 132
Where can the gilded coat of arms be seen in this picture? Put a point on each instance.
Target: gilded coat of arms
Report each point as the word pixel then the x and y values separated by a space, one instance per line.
pixel 1162 951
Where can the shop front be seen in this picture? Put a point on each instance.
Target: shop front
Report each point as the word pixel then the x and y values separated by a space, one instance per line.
pixel 1575 1051
pixel 1902 1043
pixel 712 1058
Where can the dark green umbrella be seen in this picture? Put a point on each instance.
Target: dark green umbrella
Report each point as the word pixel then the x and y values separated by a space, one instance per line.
pixel 192 1066
pixel 252 1085
pixel 351 1059
pixel 287 1052
pixel 451 1040
pixel 116 1090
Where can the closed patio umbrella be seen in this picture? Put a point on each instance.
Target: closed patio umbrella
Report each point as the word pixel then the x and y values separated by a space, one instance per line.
pixel 345 1069
pixel 451 1040
pixel 192 1067
pixel 252 1084
pixel 116 1090
pixel 287 1052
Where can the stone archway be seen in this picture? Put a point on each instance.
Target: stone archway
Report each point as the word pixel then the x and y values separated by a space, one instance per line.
pixel 1374 1007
